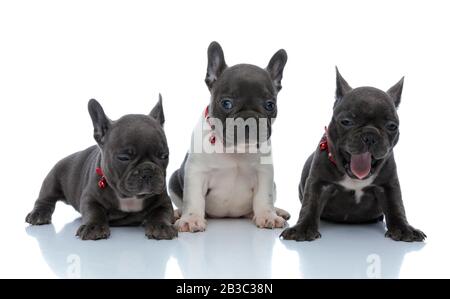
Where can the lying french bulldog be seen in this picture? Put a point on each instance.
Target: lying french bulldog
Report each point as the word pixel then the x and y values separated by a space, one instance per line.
pixel 215 181
pixel 119 182
pixel 352 176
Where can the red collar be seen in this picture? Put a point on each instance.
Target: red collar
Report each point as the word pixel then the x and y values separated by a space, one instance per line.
pixel 325 145
pixel 102 182
pixel 212 137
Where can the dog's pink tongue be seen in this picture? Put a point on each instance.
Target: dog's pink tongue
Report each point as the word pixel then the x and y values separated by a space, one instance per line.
pixel 360 165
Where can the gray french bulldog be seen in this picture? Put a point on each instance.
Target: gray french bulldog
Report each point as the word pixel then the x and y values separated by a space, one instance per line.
pixel 352 176
pixel 119 182
pixel 220 184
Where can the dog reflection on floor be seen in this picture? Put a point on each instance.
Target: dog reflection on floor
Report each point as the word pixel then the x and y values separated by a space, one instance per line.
pixel 230 249
pixel 352 251
pixel 126 255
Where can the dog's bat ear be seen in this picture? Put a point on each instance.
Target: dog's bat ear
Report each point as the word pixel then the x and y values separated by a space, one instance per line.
pixel 276 67
pixel 216 64
pixel 100 121
pixel 158 112
pixel 395 92
pixel 342 87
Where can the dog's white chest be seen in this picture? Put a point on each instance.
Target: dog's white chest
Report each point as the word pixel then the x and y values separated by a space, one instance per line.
pixel 230 189
pixel 356 185
pixel 131 204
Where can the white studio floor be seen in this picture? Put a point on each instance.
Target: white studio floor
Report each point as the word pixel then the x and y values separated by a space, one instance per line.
pixel 56 55
pixel 230 248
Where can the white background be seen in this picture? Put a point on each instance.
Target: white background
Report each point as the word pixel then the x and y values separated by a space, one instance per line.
pixel 56 55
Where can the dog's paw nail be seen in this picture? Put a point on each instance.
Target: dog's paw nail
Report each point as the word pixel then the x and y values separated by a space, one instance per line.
pixel 405 233
pixel 301 233
pixel 269 220
pixel 161 232
pixel 191 224
pixel 39 217
pixel 282 213
pixel 91 231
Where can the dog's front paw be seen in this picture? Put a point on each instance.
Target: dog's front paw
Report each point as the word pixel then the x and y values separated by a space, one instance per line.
pixel 269 220
pixel 301 232
pixel 191 223
pixel 39 217
pixel 160 231
pixel 93 231
pixel 405 233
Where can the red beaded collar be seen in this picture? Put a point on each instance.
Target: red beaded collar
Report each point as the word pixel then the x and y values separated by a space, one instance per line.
pixel 102 182
pixel 212 137
pixel 324 145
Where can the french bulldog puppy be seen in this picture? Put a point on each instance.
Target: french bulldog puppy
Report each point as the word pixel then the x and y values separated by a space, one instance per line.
pixel 352 176
pixel 215 181
pixel 118 182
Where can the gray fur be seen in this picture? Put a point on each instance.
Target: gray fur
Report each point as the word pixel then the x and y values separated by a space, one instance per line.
pixel 249 86
pixel 371 111
pixel 73 180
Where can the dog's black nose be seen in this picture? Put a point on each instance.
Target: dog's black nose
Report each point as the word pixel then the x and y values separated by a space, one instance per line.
pixel 369 139
pixel 146 174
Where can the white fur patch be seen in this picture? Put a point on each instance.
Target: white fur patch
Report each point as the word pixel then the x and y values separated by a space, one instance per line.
pixel 356 185
pixel 231 186
pixel 131 204
pixel 226 184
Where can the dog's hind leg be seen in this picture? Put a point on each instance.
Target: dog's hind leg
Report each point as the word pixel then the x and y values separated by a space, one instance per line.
pixel 282 213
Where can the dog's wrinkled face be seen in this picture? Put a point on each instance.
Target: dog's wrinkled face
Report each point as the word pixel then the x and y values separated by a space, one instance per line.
pixel 364 128
pixel 135 154
pixel 245 95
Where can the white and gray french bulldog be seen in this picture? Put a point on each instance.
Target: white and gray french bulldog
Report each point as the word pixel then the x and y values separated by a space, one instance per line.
pixel 118 182
pixel 215 181
pixel 352 175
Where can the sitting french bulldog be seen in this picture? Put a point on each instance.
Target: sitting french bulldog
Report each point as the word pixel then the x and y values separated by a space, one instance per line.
pixel 117 183
pixel 352 176
pixel 225 178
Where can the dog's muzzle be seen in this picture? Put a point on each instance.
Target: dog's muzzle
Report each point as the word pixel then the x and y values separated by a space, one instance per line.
pixel 364 152
pixel 146 179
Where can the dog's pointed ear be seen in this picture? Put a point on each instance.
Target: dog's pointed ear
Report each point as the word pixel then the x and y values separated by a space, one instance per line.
pixel 276 67
pixel 216 64
pixel 342 87
pixel 100 121
pixel 158 112
pixel 395 92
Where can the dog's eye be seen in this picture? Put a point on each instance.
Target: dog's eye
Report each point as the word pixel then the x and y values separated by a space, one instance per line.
pixel 164 156
pixel 123 157
pixel 347 122
pixel 227 104
pixel 269 105
pixel 391 126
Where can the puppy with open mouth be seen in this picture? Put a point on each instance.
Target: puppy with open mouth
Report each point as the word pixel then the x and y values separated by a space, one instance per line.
pixel 118 182
pixel 230 173
pixel 352 176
